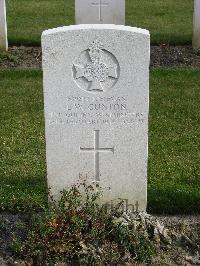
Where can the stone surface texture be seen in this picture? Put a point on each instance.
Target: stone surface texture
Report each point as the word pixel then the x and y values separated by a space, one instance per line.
pixel 100 12
pixel 96 92
pixel 196 25
pixel 3 26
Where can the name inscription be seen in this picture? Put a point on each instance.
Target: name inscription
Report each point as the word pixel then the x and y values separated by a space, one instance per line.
pixel 96 111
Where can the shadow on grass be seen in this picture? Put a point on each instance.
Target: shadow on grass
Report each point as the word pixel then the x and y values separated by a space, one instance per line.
pixel 171 39
pixel 156 39
pixel 24 42
pixel 173 199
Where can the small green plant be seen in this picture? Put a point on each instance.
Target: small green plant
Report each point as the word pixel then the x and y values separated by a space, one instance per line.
pixel 77 229
pixel 6 56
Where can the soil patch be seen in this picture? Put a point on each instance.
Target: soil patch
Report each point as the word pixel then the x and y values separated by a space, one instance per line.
pixel 184 231
pixel 21 57
pixel 175 57
pixel 161 56
pixel 185 247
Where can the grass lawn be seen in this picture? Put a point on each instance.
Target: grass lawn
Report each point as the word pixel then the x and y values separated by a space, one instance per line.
pixel 174 152
pixel 168 21
pixel 22 164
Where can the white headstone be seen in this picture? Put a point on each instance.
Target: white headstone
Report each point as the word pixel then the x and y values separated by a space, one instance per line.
pixel 196 24
pixel 100 12
pixel 96 90
pixel 3 26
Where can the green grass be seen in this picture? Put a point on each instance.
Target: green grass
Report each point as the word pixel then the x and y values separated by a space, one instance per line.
pixel 28 18
pixel 174 150
pixel 22 164
pixel 169 21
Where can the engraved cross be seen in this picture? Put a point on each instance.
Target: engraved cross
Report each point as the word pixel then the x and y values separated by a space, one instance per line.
pixel 97 150
pixel 100 5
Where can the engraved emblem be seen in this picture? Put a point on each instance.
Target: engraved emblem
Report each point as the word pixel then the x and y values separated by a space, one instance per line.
pixel 96 69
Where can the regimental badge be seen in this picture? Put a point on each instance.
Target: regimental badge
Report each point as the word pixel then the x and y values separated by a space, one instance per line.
pixel 96 69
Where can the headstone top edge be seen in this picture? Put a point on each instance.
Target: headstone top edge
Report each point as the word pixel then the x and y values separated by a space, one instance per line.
pixel 95 27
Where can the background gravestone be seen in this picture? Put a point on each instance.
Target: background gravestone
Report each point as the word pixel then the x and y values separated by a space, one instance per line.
pixel 196 25
pixel 100 12
pixel 96 89
pixel 3 26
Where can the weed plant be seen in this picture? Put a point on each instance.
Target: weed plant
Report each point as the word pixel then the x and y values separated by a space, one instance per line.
pixel 79 230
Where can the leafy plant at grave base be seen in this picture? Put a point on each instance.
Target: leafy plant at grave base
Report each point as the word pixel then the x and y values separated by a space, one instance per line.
pixel 4 56
pixel 79 230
